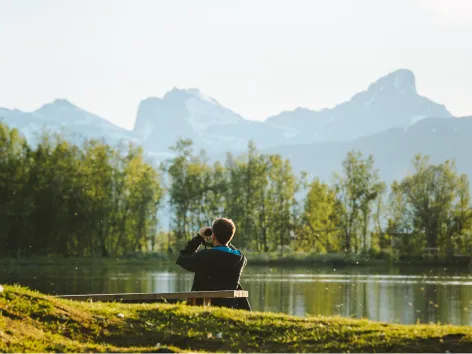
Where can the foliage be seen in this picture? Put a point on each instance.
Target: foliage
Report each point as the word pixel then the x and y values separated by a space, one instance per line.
pixel 256 190
pixel 432 208
pixel 358 188
pixel 98 200
pixel 61 199
pixel 319 223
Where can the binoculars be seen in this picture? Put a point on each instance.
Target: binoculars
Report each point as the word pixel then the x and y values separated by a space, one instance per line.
pixel 208 232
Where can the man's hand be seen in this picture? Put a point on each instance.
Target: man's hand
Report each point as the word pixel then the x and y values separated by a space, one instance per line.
pixel 205 232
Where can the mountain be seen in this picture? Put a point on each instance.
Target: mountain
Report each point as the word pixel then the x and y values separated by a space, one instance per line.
pixel 390 102
pixel 63 117
pixel 191 114
pixel 393 150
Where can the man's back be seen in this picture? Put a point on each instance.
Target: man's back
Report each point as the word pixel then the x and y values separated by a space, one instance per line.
pixel 216 268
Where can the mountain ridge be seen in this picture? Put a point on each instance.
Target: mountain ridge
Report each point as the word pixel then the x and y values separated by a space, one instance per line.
pixel 393 149
pixel 392 101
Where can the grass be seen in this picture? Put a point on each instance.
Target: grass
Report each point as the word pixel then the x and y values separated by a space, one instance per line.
pixel 144 259
pixel 289 258
pixel 302 258
pixel 33 322
pixel 254 258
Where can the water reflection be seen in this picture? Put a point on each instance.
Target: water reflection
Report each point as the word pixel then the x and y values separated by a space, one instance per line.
pixel 392 294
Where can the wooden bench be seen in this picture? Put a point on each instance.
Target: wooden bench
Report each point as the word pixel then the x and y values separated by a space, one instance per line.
pixel 190 296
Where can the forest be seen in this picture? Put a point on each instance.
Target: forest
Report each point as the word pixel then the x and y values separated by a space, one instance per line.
pixel 97 200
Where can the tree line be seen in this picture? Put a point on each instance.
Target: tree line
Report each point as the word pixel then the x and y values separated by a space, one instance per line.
pixel 57 198
pixel 98 200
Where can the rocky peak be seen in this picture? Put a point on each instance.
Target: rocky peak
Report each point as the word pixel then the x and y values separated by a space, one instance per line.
pixel 399 80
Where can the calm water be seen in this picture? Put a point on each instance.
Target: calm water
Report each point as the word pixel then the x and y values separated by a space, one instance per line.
pixel 402 295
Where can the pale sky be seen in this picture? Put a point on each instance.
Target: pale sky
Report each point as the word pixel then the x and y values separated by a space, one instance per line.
pixel 256 57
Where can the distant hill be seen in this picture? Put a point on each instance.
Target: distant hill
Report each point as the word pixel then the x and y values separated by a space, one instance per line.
pixel 62 116
pixel 441 138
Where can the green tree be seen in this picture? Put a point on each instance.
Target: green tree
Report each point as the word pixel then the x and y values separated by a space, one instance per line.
pixel 282 188
pixel 357 189
pixel 320 219
pixel 59 198
pixel 435 206
pixel 430 192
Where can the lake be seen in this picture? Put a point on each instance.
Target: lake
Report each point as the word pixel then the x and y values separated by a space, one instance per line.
pixel 390 294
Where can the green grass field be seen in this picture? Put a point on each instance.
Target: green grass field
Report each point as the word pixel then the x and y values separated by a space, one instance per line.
pixel 33 322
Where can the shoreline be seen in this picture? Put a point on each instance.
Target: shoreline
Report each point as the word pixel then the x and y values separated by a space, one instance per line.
pixel 256 259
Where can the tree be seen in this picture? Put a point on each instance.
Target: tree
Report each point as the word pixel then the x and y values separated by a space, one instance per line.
pixel 380 215
pixel 15 204
pixel 59 198
pixel 283 186
pixel 180 192
pixel 320 219
pixel 435 205
pixel 461 231
pixel 246 197
pixel 430 192
pixel 357 188
pixel 400 225
pixel 191 188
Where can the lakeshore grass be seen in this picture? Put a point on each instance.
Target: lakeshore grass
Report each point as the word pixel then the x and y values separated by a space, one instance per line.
pixel 34 322
pixel 254 258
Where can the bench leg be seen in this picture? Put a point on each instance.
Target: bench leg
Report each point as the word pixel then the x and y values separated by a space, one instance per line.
pixel 193 302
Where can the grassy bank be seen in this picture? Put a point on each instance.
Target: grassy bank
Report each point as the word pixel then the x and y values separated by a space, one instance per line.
pixel 339 260
pixel 254 258
pixel 145 259
pixel 300 258
pixel 32 322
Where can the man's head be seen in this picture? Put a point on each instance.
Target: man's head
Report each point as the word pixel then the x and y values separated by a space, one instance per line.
pixel 223 230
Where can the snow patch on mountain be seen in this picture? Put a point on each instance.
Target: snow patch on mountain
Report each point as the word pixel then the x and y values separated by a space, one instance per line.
pixel 196 93
pixel 205 113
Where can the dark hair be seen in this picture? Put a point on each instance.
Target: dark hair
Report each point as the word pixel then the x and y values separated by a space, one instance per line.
pixel 223 229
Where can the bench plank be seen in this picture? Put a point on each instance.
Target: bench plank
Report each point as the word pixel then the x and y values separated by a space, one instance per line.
pixel 146 297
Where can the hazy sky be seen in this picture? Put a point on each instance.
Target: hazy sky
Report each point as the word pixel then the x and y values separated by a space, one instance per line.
pixel 256 57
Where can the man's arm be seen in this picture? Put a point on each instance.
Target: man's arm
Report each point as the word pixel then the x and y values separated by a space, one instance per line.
pixel 188 256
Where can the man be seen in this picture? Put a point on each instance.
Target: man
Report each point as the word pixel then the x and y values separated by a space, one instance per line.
pixel 216 268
